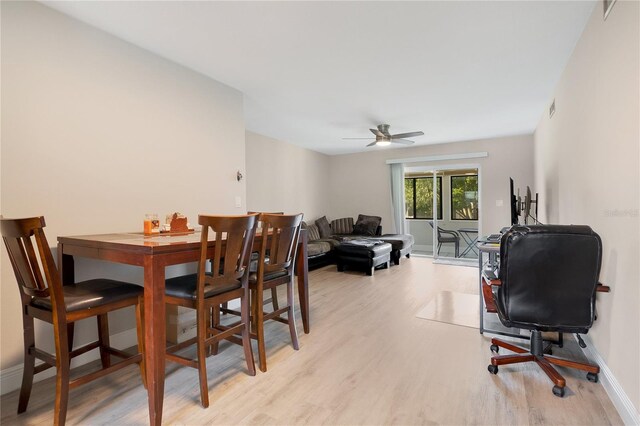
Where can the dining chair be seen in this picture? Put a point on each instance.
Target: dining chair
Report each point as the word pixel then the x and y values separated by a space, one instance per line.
pixel 228 280
pixel 44 297
pixel 276 265
pixel 446 236
pixel 254 264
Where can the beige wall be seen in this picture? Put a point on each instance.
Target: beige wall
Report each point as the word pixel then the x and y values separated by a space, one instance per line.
pixel 588 170
pixel 97 132
pixel 285 177
pixel 360 183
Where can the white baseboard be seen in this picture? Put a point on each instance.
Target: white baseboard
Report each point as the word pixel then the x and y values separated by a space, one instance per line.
pixel 11 378
pixel 624 406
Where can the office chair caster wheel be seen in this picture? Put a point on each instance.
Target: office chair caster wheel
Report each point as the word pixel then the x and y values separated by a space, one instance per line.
pixel 493 369
pixel 592 377
pixel 495 348
pixel 558 391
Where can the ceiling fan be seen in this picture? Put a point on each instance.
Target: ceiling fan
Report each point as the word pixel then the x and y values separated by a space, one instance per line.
pixel 384 138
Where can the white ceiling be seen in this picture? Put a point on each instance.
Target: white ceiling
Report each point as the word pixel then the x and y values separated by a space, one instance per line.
pixel 315 72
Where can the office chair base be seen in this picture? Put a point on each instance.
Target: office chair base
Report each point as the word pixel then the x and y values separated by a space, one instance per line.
pixel 544 361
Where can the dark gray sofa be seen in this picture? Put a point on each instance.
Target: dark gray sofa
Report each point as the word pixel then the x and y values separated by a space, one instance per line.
pixel 321 250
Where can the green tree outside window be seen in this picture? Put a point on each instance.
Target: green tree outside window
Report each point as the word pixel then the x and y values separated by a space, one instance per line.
pixel 418 196
pixel 464 197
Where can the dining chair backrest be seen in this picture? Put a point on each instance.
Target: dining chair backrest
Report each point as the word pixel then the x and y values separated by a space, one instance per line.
pixel 259 226
pixel 35 271
pixel 439 229
pixel 230 262
pixel 283 232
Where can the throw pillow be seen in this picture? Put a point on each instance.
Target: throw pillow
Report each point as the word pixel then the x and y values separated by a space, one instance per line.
pixel 367 225
pixel 324 227
pixel 313 233
pixel 342 226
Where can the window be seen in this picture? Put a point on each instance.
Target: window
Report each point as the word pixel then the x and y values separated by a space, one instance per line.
pixel 418 197
pixel 464 197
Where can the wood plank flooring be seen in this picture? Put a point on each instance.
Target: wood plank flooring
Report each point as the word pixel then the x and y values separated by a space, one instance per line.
pixel 368 360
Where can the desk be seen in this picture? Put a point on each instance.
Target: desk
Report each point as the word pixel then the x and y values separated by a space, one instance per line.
pixel 492 250
pixel 154 253
pixel 470 236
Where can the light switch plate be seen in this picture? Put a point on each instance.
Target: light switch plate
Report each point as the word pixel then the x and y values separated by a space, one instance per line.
pixel 238 201
pixel 499 203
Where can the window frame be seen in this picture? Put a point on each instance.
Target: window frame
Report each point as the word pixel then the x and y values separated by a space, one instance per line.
pixel 451 206
pixel 413 207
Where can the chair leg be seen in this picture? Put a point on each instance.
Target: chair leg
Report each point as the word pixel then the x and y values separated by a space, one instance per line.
pixel 246 338
pixel 259 320
pixel 202 358
pixel 254 310
pixel 274 299
pixel 551 372
pixel 103 338
pixel 509 346
pixel 62 375
pixel 70 333
pixel 140 334
pixel 215 322
pixel 457 248
pixel 590 368
pixel 512 359
pixel 291 319
pixel 29 363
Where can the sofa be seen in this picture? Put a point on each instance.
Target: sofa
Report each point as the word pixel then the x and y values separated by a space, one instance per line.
pixel 323 236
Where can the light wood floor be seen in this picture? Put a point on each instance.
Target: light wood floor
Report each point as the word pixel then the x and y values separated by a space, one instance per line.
pixel 368 360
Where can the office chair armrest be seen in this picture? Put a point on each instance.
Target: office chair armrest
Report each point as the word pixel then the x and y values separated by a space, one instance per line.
pixel 450 232
pixel 487 295
pixel 603 288
pixel 489 277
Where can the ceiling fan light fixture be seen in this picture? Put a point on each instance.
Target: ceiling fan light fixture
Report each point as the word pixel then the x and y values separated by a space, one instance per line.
pixel 384 138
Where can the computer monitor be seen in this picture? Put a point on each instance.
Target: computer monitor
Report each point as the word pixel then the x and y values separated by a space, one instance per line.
pixel 513 201
pixel 527 206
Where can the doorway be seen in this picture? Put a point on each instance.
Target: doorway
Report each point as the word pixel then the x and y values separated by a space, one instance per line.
pixel 442 210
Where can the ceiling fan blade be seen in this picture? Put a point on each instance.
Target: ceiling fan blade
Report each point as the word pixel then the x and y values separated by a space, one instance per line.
pixel 407 135
pixel 357 138
pixel 373 143
pixel 377 133
pixel 402 141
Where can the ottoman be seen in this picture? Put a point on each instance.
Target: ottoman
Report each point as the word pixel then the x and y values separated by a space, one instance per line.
pixel 363 254
pixel 401 245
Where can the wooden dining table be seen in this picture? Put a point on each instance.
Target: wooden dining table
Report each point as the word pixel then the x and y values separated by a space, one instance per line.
pixel 154 253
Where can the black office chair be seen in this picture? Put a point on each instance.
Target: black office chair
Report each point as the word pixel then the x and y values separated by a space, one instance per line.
pixel 547 282
pixel 446 236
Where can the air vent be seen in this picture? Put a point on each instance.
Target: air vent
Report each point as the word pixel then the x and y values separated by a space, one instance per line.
pixel 552 108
